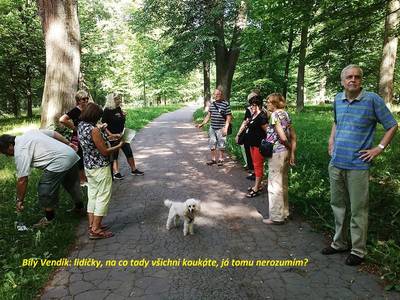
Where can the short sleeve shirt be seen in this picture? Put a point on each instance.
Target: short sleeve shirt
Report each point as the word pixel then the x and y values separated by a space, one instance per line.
pixel 115 119
pixel 38 149
pixel 355 128
pixel 74 115
pixel 219 110
pixel 283 118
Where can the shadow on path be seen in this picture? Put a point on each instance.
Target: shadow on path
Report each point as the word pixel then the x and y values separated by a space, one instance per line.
pixel 172 152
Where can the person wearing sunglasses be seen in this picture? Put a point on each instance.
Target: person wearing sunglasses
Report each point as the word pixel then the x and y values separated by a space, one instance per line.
pixel 71 120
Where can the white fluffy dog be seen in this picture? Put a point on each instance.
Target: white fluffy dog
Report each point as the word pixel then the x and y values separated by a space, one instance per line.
pixel 186 210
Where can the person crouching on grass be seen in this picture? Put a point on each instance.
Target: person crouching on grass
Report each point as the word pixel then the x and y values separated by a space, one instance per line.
pixel 56 156
pixel 97 168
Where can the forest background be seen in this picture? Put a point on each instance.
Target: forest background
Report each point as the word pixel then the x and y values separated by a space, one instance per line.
pixel 156 52
pixel 172 51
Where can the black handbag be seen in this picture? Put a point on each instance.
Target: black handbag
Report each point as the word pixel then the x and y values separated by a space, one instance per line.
pixel 266 148
pixel 241 137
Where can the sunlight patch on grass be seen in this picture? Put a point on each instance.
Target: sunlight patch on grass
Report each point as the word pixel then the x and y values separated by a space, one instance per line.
pixel 22 129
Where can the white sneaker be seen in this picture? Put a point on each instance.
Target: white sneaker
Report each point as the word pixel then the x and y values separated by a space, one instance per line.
pixel 43 222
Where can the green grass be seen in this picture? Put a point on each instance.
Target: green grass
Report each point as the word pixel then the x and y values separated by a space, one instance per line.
pixel 53 242
pixel 309 186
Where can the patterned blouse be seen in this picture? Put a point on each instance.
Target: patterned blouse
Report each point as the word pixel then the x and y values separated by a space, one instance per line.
pixel 272 135
pixel 92 158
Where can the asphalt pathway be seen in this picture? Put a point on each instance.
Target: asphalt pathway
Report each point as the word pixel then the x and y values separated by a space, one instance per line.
pixel 172 152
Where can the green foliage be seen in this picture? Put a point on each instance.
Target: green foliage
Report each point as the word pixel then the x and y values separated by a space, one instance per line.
pixel 116 58
pixel 387 252
pixel 22 57
pixel 340 33
pixel 138 118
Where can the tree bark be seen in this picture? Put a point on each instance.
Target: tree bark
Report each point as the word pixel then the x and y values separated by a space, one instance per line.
pixel 389 53
pixel 287 65
pixel 62 40
pixel 322 90
pixel 29 97
pixel 206 83
pixel 226 58
pixel 144 92
pixel 14 103
pixel 301 68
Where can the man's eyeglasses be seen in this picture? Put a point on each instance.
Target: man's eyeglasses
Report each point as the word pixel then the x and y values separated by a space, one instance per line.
pixel 86 99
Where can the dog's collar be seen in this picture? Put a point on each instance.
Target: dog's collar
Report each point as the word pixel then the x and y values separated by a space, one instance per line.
pixel 191 219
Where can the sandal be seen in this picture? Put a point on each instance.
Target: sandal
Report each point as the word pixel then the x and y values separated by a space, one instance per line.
pixel 102 227
pixel 220 163
pixel 211 162
pixel 252 194
pixel 100 235
pixel 250 188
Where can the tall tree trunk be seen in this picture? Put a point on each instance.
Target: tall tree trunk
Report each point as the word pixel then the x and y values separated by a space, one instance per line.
pixel 225 62
pixel 287 65
pixel 389 53
pixel 206 83
pixel 322 91
pixel 301 68
pixel 62 39
pixel 226 58
pixel 144 92
pixel 14 103
pixel 29 99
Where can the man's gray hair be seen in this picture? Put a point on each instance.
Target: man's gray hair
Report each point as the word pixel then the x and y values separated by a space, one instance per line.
pixel 345 69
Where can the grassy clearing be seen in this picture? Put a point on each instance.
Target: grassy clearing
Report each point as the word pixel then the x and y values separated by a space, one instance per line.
pixel 17 282
pixel 309 186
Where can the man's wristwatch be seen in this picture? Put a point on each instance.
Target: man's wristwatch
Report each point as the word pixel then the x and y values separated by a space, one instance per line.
pixel 381 146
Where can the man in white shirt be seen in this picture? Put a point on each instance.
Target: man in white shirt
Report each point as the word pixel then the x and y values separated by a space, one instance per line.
pixel 56 156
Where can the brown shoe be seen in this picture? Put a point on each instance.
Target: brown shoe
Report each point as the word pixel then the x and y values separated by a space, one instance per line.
pixel 353 260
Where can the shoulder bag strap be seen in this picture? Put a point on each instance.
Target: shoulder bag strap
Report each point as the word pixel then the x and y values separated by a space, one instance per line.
pixel 219 110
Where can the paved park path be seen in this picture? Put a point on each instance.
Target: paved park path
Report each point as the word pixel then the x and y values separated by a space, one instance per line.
pixel 172 152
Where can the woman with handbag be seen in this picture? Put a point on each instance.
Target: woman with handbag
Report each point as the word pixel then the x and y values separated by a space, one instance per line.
pixel 241 137
pixel 281 134
pixel 96 160
pixel 255 132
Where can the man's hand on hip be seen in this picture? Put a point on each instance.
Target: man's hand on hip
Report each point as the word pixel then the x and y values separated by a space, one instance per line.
pixel 370 154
